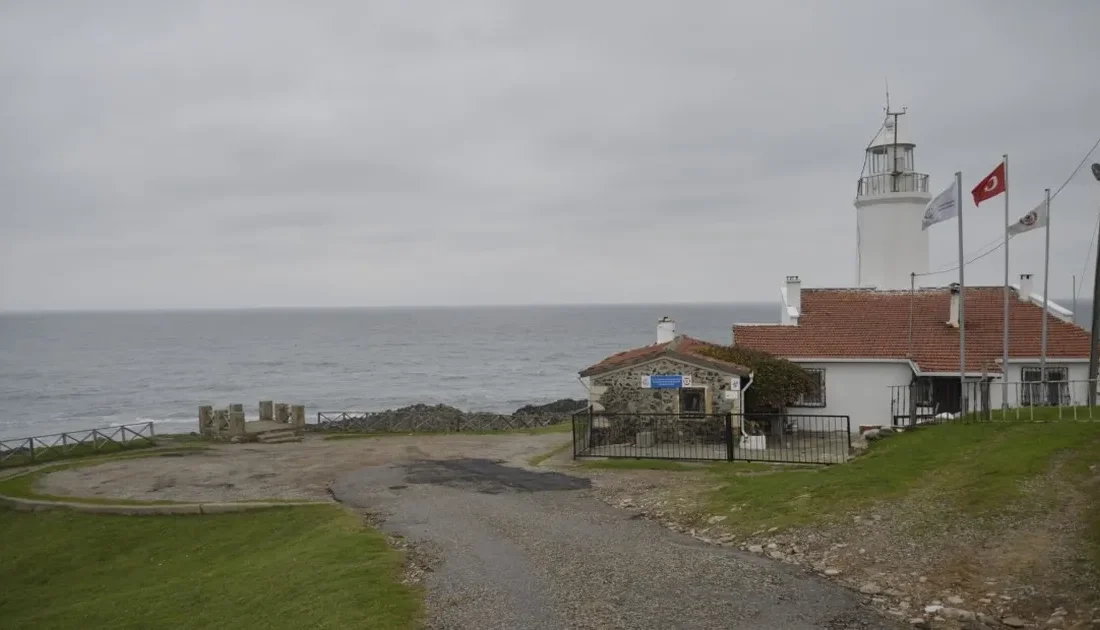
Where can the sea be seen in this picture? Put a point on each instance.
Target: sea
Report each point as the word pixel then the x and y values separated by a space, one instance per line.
pixel 73 371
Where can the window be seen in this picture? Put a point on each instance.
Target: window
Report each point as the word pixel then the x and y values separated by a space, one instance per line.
pixel 816 396
pixel 1057 387
pixel 692 401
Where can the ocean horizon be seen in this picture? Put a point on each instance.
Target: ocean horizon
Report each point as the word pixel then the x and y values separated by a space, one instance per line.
pixel 72 370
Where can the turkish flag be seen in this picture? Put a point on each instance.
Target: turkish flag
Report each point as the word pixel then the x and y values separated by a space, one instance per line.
pixel 994 184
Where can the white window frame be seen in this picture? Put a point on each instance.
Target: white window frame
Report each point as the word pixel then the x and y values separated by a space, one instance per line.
pixel 1031 388
pixel 801 401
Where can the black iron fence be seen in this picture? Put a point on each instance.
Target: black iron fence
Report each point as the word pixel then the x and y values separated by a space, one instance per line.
pixel 937 401
pixel 779 437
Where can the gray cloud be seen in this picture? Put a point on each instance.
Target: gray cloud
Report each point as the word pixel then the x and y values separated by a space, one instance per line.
pixel 197 154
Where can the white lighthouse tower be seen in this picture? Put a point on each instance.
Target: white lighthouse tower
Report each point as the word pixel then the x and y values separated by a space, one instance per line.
pixel 889 207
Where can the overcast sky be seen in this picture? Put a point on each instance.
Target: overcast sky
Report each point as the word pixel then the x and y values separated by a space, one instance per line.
pixel 241 154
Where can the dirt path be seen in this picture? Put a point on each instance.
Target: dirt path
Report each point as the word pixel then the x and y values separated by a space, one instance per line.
pixel 277 471
pixel 513 548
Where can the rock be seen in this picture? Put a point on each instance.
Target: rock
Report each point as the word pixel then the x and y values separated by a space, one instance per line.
pixel 727 538
pixel 870 588
pixel 775 555
pixel 893 592
pixel 773 546
pixel 922 579
pixel 932 609
pixel 986 619
pixel 773 529
pixel 863 551
pixel 955 600
pixel 832 572
pixel 872 435
pixel 918 622
pixel 1014 622
pixel 756 549
pixel 958 614
pixel 714 520
pixel 626 503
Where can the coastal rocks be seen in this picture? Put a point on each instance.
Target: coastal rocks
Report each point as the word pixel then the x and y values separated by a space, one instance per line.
pixel 870 588
pixel 1014 622
pixel 444 418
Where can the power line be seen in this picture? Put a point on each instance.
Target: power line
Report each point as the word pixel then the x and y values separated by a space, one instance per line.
pixel 1000 242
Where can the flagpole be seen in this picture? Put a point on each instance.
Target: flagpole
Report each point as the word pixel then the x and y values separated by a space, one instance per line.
pixel 962 299
pixel 1046 293
pixel 1004 358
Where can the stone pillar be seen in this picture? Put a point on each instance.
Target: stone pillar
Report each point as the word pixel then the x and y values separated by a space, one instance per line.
pixel 282 413
pixel 267 411
pixel 236 419
pixel 221 421
pixel 206 420
pixel 298 416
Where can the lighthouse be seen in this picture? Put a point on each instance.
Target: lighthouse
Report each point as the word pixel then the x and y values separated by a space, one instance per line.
pixel 890 204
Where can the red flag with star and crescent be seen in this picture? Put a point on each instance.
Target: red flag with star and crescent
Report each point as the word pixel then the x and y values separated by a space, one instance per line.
pixel 993 185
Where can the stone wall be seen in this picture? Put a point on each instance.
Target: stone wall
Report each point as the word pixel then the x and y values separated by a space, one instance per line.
pixel 624 393
pixel 229 423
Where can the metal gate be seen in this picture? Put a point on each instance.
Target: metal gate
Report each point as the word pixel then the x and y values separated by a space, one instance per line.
pixel 777 437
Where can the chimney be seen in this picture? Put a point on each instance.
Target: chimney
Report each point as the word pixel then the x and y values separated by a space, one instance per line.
pixel 666 330
pixel 792 310
pixel 1025 287
pixel 953 316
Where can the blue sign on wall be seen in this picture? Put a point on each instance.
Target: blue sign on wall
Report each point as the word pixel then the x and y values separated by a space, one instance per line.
pixel 666 381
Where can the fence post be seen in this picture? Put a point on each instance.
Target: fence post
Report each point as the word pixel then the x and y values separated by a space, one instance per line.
pixel 913 387
pixel 729 437
pixel 31 443
pixel 573 422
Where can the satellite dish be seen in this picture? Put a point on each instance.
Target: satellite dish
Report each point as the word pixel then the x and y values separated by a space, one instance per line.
pixel 1096 171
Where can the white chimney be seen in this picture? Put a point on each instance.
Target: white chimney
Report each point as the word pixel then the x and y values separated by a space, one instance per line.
pixel 666 330
pixel 792 306
pixel 953 316
pixel 1025 287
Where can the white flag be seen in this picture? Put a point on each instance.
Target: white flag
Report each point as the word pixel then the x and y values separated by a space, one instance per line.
pixel 1037 218
pixel 943 207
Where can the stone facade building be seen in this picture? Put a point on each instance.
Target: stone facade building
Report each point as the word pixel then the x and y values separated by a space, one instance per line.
pixel 645 388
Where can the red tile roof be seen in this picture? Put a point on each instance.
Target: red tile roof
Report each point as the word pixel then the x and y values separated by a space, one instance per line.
pixel 854 323
pixel 682 347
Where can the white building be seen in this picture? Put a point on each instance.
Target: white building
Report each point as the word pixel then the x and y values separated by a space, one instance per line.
pixel 890 205
pixel 867 345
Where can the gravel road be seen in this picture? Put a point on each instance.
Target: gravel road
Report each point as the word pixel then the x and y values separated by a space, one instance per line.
pixel 516 548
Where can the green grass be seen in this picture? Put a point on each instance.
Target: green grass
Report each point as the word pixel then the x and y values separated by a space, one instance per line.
pixel 976 468
pixel 564 427
pixel 1043 414
pixel 77 451
pixel 293 567
pixel 22 486
pixel 561 448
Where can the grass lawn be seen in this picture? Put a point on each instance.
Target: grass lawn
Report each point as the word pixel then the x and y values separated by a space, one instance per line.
pixel 294 567
pixel 563 427
pixel 976 468
pixel 43 455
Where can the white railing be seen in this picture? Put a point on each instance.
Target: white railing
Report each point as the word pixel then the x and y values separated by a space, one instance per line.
pixel 1025 400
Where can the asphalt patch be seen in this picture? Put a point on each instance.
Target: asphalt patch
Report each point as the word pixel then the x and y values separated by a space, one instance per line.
pixel 488 477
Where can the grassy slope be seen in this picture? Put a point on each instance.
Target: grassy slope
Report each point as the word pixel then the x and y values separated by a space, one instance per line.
pixel 295 567
pixel 978 468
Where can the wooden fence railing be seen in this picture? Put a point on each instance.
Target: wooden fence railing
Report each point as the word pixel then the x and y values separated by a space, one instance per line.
pixel 28 450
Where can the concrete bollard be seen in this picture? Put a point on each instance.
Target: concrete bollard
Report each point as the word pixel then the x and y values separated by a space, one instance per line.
pixel 221 421
pixel 282 413
pixel 206 420
pixel 236 419
pixel 298 416
pixel 267 411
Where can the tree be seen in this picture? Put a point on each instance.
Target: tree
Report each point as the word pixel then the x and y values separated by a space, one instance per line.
pixel 776 382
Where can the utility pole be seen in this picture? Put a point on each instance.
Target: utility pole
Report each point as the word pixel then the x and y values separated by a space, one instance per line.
pixel 1094 347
